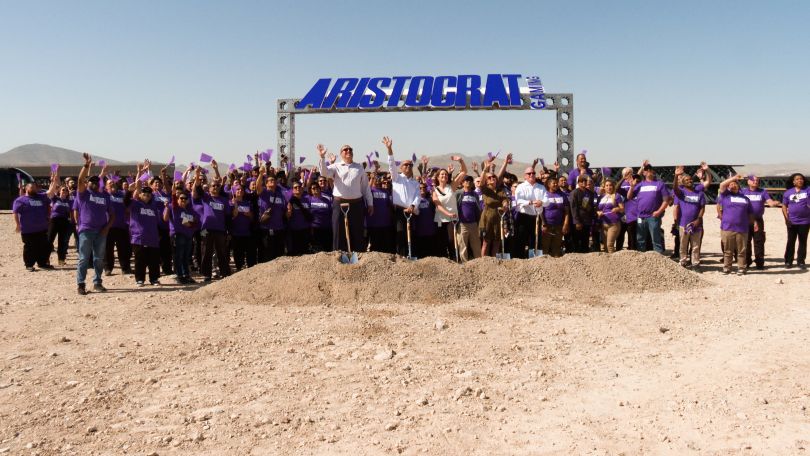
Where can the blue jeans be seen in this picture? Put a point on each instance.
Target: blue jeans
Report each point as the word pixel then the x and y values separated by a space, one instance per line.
pixel 182 255
pixel 91 243
pixel 651 225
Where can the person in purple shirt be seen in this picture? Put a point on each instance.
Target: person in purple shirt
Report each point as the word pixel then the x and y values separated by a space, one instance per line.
pixel 183 222
pixel 628 226
pixel 215 209
pixel 272 208
pixel 469 213
pixel 321 208
pixel 737 215
pixel 796 210
pixel 61 223
pixel 119 231
pixel 689 207
pixel 31 213
pixel 144 214
pixel 652 199
pixel 299 221
pixel 759 198
pixel 582 169
pixel 555 217
pixel 423 228
pixel 609 210
pixel 380 223
pixel 161 199
pixel 95 217
pixel 242 218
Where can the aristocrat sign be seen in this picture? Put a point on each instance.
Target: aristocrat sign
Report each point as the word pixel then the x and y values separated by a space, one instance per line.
pixel 463 91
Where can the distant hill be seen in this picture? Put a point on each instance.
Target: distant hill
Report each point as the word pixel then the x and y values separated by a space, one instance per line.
pixel 43 154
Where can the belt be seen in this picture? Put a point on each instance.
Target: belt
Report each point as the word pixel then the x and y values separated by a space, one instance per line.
pixel 346 200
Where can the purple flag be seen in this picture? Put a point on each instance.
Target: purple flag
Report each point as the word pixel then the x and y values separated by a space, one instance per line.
pixel 232 167
pixel 606 171
pixel 246 167
pixel 115 178
pixel 249 159
pixel 129 179
pixel 192 165
pixel 19 178
pixel 306 175
pixel 171 161
pixel 752 177
pixel 413 157
pixel 144 177
pixel 102 163
pixel 54 167
pixel 269 154
pixel 397 162
pixel 264 157
pixel 376 154
pixel 584 152
pixel 205 158
pixel 204 171
pixel 369 160
pixel 542 163
pixel 178 176
pixel 301 160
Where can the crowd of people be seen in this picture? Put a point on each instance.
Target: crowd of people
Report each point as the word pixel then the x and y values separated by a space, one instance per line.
pixel 197 221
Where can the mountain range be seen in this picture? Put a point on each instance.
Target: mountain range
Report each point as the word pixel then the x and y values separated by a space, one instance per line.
pixel 43 155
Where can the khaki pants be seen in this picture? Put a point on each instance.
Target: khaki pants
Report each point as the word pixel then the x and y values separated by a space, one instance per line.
pixel 696 238
pixel 734 244
pixel 610 232
pixel 469 241
pixel 552 240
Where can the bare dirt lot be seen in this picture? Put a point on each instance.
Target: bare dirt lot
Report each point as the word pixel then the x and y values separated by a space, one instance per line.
pixel 555 356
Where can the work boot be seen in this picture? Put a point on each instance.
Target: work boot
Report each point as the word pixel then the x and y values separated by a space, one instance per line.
pixel 82 290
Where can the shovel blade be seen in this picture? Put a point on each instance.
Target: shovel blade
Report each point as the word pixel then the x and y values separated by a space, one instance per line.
pixel 344 259
pixel 503 256
pixel 353 259
pixel 535 253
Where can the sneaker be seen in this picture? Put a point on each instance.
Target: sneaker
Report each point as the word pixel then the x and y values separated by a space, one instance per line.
pixel 30 269
pixel 788 265
pixel 82 290
pixel 139 284
pixel 154 283
pixel 740 272
pixel 760 267
pixel 99 287
pixel 189 280
pixel 802 266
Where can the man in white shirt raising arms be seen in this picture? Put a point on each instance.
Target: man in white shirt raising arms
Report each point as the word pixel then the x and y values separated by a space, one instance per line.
pixel 405 191
pixel 529 200
pixel 351 186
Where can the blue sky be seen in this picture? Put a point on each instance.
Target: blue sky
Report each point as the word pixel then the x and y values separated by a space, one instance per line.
pixel 668 81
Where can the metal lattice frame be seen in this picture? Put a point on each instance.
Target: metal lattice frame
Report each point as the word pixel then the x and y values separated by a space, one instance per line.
pixel 562 103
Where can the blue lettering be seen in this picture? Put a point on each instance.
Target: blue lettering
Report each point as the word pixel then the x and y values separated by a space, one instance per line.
pixel 514 89
pixel 358 93
pixel 315 95
pixel 495 91
pixel 396 91
pixel 417 97
pixel 468 83
pixel 376 100
pixel 439 99
pixel 339 90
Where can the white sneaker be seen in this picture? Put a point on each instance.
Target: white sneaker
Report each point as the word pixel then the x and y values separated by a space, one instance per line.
pixel 139 284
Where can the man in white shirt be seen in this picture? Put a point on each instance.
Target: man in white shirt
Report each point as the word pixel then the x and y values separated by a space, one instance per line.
pixel 529 201
pixel 405 192
pixel 350 186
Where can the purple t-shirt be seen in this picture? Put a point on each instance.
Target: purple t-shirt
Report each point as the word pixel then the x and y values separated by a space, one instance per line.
pixel 468 210
pixel 649 197
pixel 736 209
pixel 797 206
pixel 178 216
pixel 574 174
pixel 690 205
pixel 630 205
pixel 143 223
pixel 554 207
pixel 60 208
pixel 214 211
pixel 758 199
pixel 606 205
pixel 480 197
pixel 321 210
pixel 381 218
pixel 161 199
pixel 94 209
pixel 297 220
pixel 242 222
pixel 118 208
pixel 277 204
pixel 422 224
pixel 33 212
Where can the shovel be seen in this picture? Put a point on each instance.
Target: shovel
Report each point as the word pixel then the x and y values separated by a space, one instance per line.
pixel 352 257
pixel 503 255
pixel 455 238
pixel 535 252
pixel 408 230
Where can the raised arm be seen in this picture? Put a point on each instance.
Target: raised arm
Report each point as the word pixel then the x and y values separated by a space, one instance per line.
pixel 462 174
pixel 724 185
pixel 325 171
pixel 81 185
pixel 676 182
pixel 215 166
pixel 502 171
pixel 55 182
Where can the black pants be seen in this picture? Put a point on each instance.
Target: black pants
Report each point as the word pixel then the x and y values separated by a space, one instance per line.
pixel 524 236
pixel 196 250
pixel 60 229
pixel 272 245
pixel 244 251
pixel 632 227
pixel 756 243
pixel 620 238
pixel 165 251
pixel 36 249
pixel 446 241
pixel 676 234
pixel 298 242
pixel 118 238
pixel 580 239
pixel 215 242
pixel 322 239
pixel 423 246
pixel 796 232
pixel 381 239
pixel 355 217
pixel 146 257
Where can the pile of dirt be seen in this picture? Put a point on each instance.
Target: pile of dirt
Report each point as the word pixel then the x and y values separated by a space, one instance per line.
pixel 385 278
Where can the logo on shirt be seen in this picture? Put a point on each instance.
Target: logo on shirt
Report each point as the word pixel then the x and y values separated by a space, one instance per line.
pixel 754 197
pixel 738 199
pixel 147 212
pixel 648 188
pixel 35 203
pixel 98 200
pixel 796 197
pixel 692 198
pixel 217 206
pixel 186 218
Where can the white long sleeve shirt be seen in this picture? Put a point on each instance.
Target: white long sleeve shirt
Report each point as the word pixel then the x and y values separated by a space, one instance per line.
pixel 350 179
pixel 525 196
pixel 404 190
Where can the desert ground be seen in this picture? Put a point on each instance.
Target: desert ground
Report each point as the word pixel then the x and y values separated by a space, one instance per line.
pixel 588 354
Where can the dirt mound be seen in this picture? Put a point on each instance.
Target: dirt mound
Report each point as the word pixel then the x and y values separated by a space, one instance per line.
pixel 384 278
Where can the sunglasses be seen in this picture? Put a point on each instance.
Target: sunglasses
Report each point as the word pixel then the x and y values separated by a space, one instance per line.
pixel 408 164
pixel 530 174
pixel 182 198
pixel 348 149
